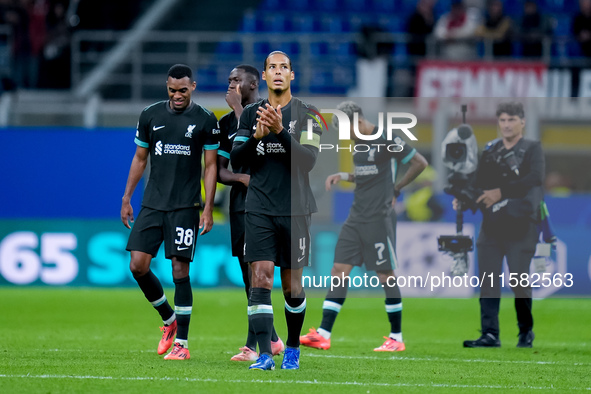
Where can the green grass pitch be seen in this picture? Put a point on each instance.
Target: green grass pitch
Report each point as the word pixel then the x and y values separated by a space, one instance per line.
pixel 104 341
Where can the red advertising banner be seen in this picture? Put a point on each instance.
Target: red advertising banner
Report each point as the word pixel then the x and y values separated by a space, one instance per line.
pixel 481 79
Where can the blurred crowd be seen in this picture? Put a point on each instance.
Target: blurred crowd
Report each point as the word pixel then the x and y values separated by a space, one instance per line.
pixel 39 39
pixel 35 34
pixel 458 31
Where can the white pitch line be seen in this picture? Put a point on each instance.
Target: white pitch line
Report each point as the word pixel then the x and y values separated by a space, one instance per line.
pixel 392 358
pixel 310 382
pixel 458 360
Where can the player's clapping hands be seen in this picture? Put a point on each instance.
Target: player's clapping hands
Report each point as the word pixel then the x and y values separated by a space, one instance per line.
pixel 261 131
pixel 271 118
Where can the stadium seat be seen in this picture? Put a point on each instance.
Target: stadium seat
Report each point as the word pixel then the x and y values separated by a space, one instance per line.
pixel 261 49
pixel 554 6
pixel 574 49
pixel 328 5
pixel 343 50
pixel 356 5
pixel 291 48
pixel 274 22
pixel 513 8
pixel 303 23
pixel 386 6
pixel 318 49
pixel 563 26
pixel 229 50
pixel 250 23
pixel 286 6
pixel 357 21
pixel 392 24
pixel 332 24
pixel 206 79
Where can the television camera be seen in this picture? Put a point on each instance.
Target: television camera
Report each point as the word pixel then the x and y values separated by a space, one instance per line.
pixel 460 155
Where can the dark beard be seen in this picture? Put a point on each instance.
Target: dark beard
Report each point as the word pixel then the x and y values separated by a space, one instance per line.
pixel 277 91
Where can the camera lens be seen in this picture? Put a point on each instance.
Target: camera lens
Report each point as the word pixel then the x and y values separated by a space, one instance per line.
pixel 456 152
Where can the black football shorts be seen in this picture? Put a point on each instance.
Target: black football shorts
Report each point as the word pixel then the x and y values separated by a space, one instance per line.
pixel 370 243
pixel 178 229
pixel 237 233
pixel 285 240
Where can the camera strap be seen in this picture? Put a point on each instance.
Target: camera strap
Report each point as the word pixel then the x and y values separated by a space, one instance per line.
pixel 511 157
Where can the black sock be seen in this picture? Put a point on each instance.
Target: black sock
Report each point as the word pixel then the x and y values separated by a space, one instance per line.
pixel 183 305
pixel 295 312
pixel 251 339
pixel 335 298
pixel 274 336
pixel 330 310
pixel 260 317
pixel 394 308
pixel 152 289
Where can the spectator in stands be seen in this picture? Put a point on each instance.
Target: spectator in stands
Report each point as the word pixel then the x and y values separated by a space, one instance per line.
pixel 374 65
pixel 582 27
pixel 533 28
pixel 37 11
pixel 496 28
pixel 55 70
pixel 17 18
pixel 420 26
pixel 455 32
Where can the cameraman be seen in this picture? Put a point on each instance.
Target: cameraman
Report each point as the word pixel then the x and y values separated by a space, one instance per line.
pixel 510 173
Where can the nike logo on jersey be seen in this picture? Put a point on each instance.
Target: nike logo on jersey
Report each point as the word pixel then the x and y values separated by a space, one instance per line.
pixel 231 136
pixel 179 248
pixel 380 262
pixel 158 128
pixel 301 258
pixel 254 127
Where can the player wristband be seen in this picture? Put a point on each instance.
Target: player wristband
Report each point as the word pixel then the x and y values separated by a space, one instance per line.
pixel 344 176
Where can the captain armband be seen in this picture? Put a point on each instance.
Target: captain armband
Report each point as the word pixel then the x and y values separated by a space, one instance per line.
pixel 315 141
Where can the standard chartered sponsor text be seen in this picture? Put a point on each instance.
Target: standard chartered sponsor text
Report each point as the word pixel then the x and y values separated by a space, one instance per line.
pixel 177 149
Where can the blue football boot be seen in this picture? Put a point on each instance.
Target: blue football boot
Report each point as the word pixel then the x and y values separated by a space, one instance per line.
pixel 263 363
pixel 291 358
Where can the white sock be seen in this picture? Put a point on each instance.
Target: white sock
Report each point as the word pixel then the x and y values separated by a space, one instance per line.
pixel 397 336
pixel 170 320
pixel 183 342
pixel 323 333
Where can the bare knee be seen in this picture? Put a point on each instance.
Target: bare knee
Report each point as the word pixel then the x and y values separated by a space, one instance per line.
pixel 291 283
pixel 262 274
pixel 291 289
pixel 180 268
pixel 341 271
pixel 140 263
pixel 384 275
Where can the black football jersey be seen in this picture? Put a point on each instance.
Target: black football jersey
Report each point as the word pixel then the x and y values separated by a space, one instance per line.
pixel 279 163
pixel 375 175
pixel 176 141
pixel 228 130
